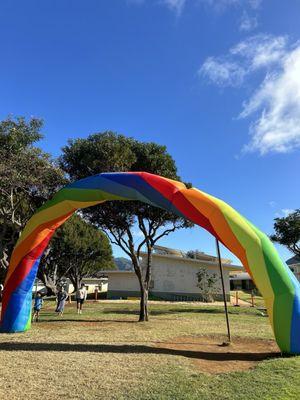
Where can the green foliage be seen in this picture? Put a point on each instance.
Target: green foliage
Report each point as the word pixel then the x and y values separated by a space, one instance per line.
pixel 195 254
pixel 100 152
pixel 207 283
pixel 109 152
pixel 76 250
pixel 28 177
pixel 287 231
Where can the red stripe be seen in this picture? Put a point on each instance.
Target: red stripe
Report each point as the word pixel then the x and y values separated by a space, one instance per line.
pixel 163 186
pixel 22 270
pixel 167 189
pixel 193 214
pixel 50 224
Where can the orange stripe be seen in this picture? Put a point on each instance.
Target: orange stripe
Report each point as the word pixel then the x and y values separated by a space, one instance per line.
pixel 34 239
pixel 212 211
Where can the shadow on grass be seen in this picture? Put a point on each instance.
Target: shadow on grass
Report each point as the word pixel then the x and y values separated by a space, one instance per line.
pixel 161 312
pixel 136 349
pixel 211 310
pixel 110 321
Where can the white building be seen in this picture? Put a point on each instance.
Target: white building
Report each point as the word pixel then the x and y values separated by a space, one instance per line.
pixel 294 265
pixel 241 281
pixel 91 284
pixel 174 276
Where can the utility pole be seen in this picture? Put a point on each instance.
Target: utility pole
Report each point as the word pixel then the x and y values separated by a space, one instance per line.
pixel 223 290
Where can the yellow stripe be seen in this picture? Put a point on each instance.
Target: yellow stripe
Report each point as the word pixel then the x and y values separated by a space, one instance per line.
pixel 248 239
pixel 54 212
pixel 208 207
pixel 43 217
pixel 33 240
pixel 252 244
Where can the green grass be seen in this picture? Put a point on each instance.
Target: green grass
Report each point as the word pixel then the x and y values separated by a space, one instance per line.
pixel 106 354
pixel 246 296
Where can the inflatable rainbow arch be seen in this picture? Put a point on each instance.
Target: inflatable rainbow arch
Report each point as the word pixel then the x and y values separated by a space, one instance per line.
pixel 277 284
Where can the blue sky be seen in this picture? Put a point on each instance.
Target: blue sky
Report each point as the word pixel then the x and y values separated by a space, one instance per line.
pixel 217 81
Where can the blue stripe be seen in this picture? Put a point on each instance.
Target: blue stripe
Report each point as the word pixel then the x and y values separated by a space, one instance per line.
pixel 129 186
pixel 19 306
pixel 101 182
pixel 145 191
pixel 295 325
pixel 295 322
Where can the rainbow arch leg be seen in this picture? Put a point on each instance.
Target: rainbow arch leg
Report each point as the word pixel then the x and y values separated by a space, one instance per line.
pixel 277 284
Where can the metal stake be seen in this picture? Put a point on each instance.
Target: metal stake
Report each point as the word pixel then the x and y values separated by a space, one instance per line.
pixel 223 290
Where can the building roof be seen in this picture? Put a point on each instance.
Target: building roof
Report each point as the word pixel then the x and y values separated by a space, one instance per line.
pixel 117 272
pixel 293 260
pixel 161 250
pixel 209 261
pixel 242 276
pixel 167 250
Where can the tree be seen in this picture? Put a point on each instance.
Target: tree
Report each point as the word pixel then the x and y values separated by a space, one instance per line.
pixel 195 254
pixel 110 152
pixel 28 177
pixel 207 284
pixel 287 231
pixel 77 250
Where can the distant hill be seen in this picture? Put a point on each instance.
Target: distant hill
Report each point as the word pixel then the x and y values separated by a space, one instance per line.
pixel 123 264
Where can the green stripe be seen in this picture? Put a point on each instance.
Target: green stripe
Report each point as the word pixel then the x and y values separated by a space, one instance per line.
pixel 283 289
pixel 28 324
pixel 252 246
pixel 79 195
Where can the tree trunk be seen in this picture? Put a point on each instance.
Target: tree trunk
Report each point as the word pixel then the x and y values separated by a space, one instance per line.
pixel 143 289
pixel 144 304
pixel 49 282
pixel 145 285
pixel 75 280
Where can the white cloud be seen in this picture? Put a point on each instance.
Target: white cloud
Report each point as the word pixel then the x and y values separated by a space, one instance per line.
pixel 175 5
pixel 221 5
pixel 247 22
pixel 277 128
pixel 284 213
pixel 287 211
pixel 255 3
pixel 222 73
pixel 275 104
pixel 261 50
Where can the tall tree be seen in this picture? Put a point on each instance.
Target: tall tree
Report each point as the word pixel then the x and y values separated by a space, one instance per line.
pixel 110 152
pixel 77 249
pixel 287 231
pixel 28 177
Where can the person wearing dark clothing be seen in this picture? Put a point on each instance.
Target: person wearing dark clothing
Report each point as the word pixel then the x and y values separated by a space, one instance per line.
pixel 61 298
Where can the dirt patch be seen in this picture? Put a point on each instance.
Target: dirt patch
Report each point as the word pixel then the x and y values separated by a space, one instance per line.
pixel 209 355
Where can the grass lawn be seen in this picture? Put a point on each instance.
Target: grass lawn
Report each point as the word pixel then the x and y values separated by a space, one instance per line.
pixel 105 354
pixel 246 296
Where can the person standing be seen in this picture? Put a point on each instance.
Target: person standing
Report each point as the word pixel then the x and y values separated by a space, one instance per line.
pixel 81 295
pixel 1 292
pixel 38 303
pixel 61 298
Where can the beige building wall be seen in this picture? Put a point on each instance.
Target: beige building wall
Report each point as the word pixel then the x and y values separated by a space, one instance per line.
pixel 295 268
pixel 173 278
pixel 178 275
pixel 91 285
pixel 125 281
